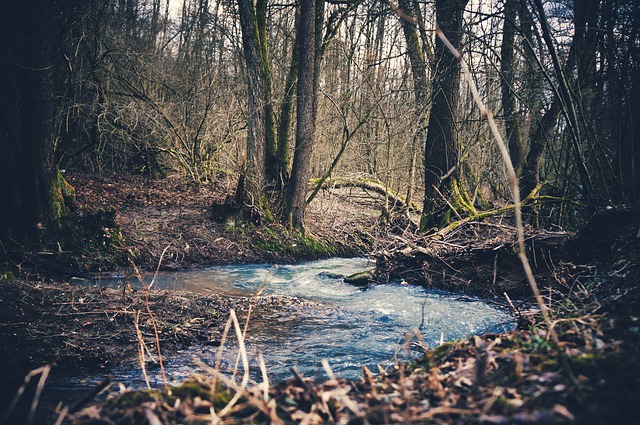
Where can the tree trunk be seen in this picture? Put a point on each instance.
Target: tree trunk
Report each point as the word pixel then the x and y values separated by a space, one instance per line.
pixel 634 144
pixel 539 139
pixel 253 179
pixel 27 177
pixel 441 147
pixel 507 69
pixel 265 70
pixel 420 86
pixel 569 109
pixel 295 202
pixel 286 110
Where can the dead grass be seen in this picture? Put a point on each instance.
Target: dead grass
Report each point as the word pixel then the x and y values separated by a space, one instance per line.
pixel 508 378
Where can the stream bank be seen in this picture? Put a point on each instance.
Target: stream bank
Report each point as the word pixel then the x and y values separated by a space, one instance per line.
pixel 589 376
pixel 517 377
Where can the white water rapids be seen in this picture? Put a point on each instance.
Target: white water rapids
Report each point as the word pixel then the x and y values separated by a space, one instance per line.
pixel 350 327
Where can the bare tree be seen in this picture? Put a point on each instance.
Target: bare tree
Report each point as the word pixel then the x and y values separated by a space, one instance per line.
pixel 508 74
pixel 295 202
pixel 441 146
pixel 251 188
pixel 416 48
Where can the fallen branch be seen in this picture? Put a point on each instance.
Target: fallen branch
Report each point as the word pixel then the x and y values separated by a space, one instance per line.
pixel 396 199
pixel 531 198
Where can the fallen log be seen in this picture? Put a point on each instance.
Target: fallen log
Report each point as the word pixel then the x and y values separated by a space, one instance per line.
pixel 396 200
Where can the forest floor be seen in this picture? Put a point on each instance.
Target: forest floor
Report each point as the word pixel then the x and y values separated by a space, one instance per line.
pixel 581 367
pixel 177 218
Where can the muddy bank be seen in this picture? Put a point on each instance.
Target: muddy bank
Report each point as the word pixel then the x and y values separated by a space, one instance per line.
pixel 589 375
pixel 68 325
pixel 93 328
pixel 171 223
pixel 477 258
pixel 176 218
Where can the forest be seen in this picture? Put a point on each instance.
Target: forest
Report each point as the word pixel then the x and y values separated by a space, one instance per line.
pixel 486 148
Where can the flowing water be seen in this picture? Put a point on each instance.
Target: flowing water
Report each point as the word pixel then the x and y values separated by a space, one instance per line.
pixel 348 326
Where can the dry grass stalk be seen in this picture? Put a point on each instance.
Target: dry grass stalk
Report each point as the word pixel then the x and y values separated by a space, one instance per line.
pixel 515 194
pixel 151 317
pixel 513 178
pixel 248 318
pixel 155 275
pixel 265 378
pixel 245 364
pixel 141 349
pixel 44 374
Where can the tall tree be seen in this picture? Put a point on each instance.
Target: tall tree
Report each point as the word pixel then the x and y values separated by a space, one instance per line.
pixel 254 177
pixel 567 99
pixel 31 200
pixel 265 70
pixel 441 147
pixel 544 122
pixel 286 109
pixel 295 202
pixel 410 17
pixel 507 84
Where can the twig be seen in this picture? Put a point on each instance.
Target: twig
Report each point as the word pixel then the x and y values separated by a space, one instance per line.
pixel 141 347
pixel 513 307
pixel 152 318
pixel 155 275
pixel 44 374
pixel 328 370
pixel 515 194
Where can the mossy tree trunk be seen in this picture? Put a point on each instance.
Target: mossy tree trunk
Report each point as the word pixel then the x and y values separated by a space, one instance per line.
pixel 415 50
pixel 441 148
pixel 31 190
pixel 295 202
pixel 286 111
pixel 265 70
pixel 565 94
pixel 253 181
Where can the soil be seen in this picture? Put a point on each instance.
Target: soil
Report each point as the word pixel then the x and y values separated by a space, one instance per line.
pixel 132 223
pixel 586 373
pixel 176 217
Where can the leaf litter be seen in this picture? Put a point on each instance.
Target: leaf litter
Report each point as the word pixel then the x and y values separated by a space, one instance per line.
pixel 590 376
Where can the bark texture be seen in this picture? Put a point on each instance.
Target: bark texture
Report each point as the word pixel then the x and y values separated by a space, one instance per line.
pixel 296 195
pixel 253 181
pixel 26 124
pixel 441 147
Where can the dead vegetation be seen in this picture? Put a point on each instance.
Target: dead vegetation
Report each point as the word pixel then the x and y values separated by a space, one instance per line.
pixel 518 377
pixel 590 376
pixel 177 215
pixel 586 280
pixel 478 257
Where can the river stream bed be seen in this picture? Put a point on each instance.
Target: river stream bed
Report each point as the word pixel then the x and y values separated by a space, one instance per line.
pixel 348 326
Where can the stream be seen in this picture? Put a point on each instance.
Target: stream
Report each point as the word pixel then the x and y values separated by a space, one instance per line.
pixel 348 326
